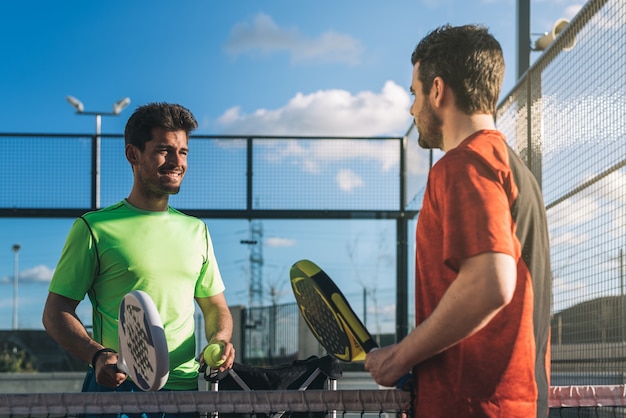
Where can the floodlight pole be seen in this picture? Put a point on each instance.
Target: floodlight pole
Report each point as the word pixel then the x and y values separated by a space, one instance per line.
pixel 523 37
pixel 117 109
pixel 16 250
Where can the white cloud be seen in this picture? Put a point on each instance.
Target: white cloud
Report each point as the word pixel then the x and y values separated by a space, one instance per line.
pixel 348 180
pixel 266 37
pixel 333 114
pixel 575 211
pixel 39 273
pixel 327 113
pixel 606 19
pixel 280 242
pixel 571 11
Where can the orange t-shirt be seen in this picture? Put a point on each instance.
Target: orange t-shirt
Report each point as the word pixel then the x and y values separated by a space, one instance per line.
pixel 481 198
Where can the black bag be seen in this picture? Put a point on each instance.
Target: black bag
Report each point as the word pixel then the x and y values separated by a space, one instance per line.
pixel 312 373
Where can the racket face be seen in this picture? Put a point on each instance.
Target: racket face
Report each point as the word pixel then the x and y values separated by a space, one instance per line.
pixel 321 318
pixel 142 344
pixel 328 314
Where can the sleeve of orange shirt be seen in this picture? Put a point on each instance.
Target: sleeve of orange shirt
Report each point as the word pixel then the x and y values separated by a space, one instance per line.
pixel 475 209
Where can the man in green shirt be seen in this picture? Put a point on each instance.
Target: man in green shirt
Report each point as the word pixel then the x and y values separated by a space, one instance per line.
pixel 141 243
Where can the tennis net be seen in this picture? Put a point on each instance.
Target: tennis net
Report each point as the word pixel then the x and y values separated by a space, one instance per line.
pixel 565 401
pixel 277 403
pixel 588 401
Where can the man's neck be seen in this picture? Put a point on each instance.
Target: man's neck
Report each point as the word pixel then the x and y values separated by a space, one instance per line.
pixel 460 126
pixel 148 203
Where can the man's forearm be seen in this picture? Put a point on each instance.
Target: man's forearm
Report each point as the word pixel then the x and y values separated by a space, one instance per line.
pixel 218 322
pixel 65 328
pixel 483 287
pixel 219 327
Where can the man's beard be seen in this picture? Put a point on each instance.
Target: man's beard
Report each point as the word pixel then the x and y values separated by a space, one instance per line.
pixel 158 190
pixel 160 187
pixel 429 128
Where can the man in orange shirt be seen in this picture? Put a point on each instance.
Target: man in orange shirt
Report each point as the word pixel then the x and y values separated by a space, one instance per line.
pixel 482 278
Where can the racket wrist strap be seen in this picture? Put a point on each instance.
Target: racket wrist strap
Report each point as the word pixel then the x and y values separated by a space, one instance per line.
pixel 99 353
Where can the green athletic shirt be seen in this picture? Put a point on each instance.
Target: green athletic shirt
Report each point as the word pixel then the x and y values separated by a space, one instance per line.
pixel 121 248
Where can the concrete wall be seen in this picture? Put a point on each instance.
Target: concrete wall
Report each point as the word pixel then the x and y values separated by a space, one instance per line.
pixel 55 382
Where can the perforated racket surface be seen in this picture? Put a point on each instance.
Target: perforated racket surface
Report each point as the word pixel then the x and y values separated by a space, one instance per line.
pixel 143 353
pixel 328 313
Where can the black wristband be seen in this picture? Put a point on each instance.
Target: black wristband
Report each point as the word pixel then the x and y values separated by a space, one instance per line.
pixel 97 354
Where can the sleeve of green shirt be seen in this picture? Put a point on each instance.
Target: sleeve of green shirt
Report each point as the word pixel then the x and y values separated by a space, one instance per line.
pixel 77 265
pixel 210 282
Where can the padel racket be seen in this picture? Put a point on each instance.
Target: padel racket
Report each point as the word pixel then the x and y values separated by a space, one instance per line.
pixel 143 353
pixel 328 313
pixel 330 317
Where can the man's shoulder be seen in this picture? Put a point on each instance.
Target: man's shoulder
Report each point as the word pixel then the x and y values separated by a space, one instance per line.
pixel 106 212
pixel 184 218
pixel 487 147
pixel 183 215
pixel 484 143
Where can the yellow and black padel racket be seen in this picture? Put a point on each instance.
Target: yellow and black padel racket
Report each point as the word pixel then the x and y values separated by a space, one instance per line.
pixel 328 313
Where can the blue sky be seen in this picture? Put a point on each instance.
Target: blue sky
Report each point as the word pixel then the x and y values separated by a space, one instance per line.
pixel 243 67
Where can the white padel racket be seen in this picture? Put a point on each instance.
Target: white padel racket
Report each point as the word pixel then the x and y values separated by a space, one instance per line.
pixel 143 353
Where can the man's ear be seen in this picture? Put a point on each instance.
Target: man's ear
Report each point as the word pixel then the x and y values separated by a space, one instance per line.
pixel 132 154
pixel 437 91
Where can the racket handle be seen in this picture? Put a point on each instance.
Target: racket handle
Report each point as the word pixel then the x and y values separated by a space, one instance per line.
pixel 121 365
pixel 406 383
pixel 211 375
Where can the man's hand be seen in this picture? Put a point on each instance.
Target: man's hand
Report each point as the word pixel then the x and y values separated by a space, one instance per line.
pixel 106 371
pixel 385 366
pixel 228 356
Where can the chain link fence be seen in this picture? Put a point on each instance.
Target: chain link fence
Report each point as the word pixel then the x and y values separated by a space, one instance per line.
pixel 567 119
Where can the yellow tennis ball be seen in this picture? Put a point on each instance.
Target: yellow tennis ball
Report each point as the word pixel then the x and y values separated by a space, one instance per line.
pixel 213 355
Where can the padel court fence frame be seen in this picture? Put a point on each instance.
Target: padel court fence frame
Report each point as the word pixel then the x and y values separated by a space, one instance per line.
pixel 234 177
pixel 566 118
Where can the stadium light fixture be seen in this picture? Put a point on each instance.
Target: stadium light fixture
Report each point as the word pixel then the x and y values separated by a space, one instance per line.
pixel 118 107
pixel 77 104
pixel 547 38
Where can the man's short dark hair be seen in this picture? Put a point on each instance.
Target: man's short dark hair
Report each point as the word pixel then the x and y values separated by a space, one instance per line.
pixel 171 117
pixel 469 60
